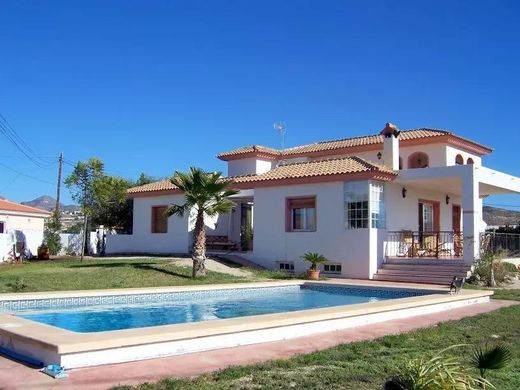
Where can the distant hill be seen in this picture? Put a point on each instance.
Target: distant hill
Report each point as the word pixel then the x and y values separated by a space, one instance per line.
pixel 48 203
pixel 495 216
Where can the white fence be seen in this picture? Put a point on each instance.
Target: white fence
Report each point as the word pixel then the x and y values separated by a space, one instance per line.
pixel 71 243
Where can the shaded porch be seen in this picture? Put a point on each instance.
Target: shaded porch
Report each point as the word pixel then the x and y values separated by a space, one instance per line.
pixel 462 236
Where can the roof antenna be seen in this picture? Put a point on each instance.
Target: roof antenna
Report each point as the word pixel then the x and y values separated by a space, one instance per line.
pixel 281 129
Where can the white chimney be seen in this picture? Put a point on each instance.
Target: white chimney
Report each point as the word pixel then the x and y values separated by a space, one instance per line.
pixel 391 146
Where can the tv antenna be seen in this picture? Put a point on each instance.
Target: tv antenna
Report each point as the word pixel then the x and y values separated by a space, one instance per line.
pixel 281 129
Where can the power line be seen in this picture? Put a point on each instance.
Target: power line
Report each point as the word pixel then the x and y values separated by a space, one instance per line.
pixel 10 133
pixel 25 174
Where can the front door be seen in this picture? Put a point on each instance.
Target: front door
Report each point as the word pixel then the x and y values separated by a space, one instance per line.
pixel 429 216
pixel 456 214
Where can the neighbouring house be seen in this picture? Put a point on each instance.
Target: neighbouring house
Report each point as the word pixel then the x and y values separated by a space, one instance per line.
pixel 396 205
pixel 23 222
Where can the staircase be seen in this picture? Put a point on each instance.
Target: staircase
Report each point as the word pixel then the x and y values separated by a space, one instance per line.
pixel 419 270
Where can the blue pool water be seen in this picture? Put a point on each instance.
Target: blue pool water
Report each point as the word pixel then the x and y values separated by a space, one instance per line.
pixel 136 311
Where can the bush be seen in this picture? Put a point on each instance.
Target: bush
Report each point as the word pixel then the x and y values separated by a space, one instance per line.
pixel 510 267
pixel 502 271
pixel 437 373
pixel 51 234
pixel 17 285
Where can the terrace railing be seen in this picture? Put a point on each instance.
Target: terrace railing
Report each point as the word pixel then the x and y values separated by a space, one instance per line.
pixel 434 244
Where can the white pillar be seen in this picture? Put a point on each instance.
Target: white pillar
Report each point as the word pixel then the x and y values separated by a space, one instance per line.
pixel 471 215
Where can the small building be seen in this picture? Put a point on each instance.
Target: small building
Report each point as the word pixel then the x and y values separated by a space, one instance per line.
pixel 24 221
pixel 386 205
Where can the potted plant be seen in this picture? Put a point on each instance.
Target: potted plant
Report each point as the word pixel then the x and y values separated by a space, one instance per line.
pixel 315 259
pixel 43 252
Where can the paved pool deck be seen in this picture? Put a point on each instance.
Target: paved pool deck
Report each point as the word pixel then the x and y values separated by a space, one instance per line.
pixel 14 375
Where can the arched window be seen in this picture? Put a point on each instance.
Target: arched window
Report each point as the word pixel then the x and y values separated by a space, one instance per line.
pixel 459 160
pixel 418 160
pixel 470 161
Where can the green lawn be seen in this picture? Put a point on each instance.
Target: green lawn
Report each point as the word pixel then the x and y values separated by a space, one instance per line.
pixel 366 365
pixel 102 273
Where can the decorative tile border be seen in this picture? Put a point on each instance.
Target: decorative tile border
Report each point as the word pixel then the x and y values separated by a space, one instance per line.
pixel 172 297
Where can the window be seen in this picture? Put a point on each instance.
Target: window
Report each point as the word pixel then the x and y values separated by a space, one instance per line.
pixel 364 205
pixel 301 214
pixel 470 161
pixel 459 160
pixel 356 204
pixel 159 219
pixel 332 268
pixel 286 266
pixel 377 205
pixel 2 227
pixel 418 160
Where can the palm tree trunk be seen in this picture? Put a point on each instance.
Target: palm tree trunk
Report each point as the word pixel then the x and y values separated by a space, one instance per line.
pixel 199 246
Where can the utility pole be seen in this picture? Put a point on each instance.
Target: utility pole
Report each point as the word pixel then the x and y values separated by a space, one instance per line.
pixel 58 188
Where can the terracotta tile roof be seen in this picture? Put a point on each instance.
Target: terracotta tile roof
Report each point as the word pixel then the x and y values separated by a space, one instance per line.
pixel 163 185
pixel 302 170
pixel 251 149
pixel 6 205
pixel 317 168
pixel 354 142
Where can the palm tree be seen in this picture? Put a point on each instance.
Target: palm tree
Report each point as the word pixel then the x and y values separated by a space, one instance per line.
pixel 315 259
pixel 206 193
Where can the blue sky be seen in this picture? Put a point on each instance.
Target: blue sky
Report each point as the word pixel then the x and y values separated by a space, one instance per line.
pixel 158 86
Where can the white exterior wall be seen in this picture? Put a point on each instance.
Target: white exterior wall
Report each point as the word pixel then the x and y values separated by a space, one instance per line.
pixel 176 240
pixel 350 247
pixel 249 166
pixel 17 221
pixel 403 213
pixel 452 152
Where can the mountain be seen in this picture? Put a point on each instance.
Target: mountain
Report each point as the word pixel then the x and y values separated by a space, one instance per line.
pixel 495 216
pixel 48 203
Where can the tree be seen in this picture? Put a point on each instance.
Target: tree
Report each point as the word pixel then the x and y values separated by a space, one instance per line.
pixel 51 234
pixel 81 184
pixel 207 194
pixel 111 207
pixel 144 179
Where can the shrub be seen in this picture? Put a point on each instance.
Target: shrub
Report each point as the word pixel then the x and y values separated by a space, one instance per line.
pixel 491 270
pixel 510 267
pixel 437 373
pixel 17 285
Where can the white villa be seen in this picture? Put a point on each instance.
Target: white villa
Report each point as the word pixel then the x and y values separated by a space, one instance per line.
pixel 397 205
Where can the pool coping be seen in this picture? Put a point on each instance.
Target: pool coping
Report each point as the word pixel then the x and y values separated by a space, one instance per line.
pixel 57 341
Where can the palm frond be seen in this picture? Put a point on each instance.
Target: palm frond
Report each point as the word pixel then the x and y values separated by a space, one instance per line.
pixel 175 209
pixel 490 357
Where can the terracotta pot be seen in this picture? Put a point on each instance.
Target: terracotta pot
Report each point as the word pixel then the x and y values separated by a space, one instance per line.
pixel 313 274
pixel 43 253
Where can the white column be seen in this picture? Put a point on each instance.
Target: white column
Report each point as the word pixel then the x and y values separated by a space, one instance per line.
pixel 471 215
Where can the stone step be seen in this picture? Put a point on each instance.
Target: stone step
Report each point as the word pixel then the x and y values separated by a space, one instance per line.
pixel 419 261
pixel 414 279
pixel 425 268
pixel 423 272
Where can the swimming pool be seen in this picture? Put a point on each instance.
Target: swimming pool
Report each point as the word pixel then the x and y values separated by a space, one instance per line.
pixel 88 328
pixel 131 311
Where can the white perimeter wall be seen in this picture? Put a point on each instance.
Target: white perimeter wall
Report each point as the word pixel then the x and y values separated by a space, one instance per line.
pixel 350 247
pixel 176 240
